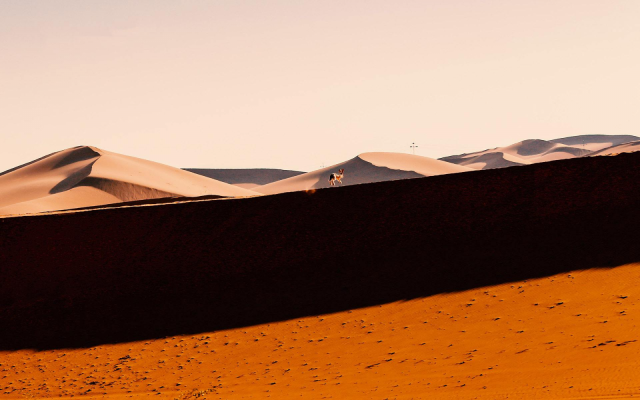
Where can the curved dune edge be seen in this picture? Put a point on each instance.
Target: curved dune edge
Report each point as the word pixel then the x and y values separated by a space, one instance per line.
pixel 87 176
pixel 521 153
pixel 621 148
pixel 408 162
pixel 570 335
pixel 366 168
pixel 534 151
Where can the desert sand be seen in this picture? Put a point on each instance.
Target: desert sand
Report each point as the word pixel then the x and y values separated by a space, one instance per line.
pixel 507 283
pixel 573 335
pixel 88 176
pixel 621 148
pixel 247 178
pixel 595 142
pixel 535 151
pixel 366 168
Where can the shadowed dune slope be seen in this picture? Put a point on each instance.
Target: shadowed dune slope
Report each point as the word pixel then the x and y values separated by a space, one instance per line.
pixel 88 176
pixel 246 178
pixel 366 168
pixel 535 151
pixel 112 275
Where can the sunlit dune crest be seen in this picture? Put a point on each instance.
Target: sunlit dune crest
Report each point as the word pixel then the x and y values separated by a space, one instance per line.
pixel 533 151
pixel 88 176
pixel 366 168
pixel 617 149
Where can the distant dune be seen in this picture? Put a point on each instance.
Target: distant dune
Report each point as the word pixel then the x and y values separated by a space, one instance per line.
pixel 246 178
pixel 621 148
pixel 596 142
pixel 366 168
pixel 534 151
pixel 87 176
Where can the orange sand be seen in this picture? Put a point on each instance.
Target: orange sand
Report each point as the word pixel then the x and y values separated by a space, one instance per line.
pixel 573 335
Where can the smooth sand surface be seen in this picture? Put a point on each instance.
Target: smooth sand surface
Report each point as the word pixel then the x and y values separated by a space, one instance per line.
pixel 622 148
pixel 596 142
pixel 88 176
pixel 535 151
pixel 246 185
pixel 568 336
pixel 246 178
pixel 366 168
pixel 521 153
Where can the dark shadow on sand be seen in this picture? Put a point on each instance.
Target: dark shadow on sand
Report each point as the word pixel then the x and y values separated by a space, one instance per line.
pixel 104 276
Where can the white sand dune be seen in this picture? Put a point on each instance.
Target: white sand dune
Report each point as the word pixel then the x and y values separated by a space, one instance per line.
pixel 366 168
pixel 87 176
pixel 535 151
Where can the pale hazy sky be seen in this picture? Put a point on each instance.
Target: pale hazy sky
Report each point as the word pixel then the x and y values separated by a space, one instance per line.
pixel 295 84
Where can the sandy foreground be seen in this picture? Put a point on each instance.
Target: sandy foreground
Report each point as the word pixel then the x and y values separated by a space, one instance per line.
pixel 246 178
pixel 573 335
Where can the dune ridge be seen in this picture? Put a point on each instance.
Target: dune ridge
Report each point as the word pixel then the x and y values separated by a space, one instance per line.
pixel 87 176
pixel 629 147
pixel 533 151
pixel 595 142
pixel 366 168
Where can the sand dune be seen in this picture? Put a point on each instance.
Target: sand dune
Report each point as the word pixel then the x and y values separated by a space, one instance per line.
pixel 366 168
pixel 617 149
pixel 522 153
pixel 246 178
pixel 596 142
pixel 88 176
pixel 518 282
pixel 535 151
